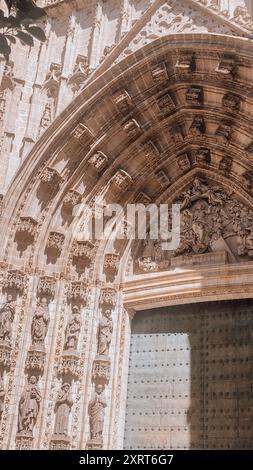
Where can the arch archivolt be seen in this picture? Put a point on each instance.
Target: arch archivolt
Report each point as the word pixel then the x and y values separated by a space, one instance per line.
pixel 179 109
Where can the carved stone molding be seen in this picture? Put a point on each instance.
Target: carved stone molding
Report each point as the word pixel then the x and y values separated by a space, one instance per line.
pixel 46 286
pixel 15 279
pixel 132 128
pixel 51 177
pixel 159 73
pixel 249 148
pixel 122 101
pixel 27 225
pixel 59 442
pixel 24 442
pixel 94 444
pixel 98 160
pixel 35 360
pixel 83 249
pixel 72 198
pixel 101 370
pixel 184 162
pixel 77 291
pixel 55 240
pixel 111 262
pixel 82 134
pixel 107 296
pixel 70 364
pixel 247 180
pixel 142 198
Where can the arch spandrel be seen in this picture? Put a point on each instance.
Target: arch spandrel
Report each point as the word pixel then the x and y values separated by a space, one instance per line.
pixel 142 132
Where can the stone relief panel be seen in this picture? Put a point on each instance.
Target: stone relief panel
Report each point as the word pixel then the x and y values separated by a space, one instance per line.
pixel 213 220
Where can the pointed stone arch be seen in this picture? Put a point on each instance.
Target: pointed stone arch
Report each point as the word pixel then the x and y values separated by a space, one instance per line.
pixel 142 131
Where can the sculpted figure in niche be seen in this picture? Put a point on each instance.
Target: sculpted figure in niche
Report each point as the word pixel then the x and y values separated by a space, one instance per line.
pixel 7 313
pixel 104 333
pixel 29 405
pixel 40 323
pixel 62 409
pixel 73 329
pixel 2 395
pixel 96 410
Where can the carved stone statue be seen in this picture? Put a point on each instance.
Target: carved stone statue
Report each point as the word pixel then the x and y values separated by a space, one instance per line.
pixel 96 410
pixel 2 395
pixel 104 333
pixel 40 323
pixel 73 329
pixel 62 410
pixel 29 405
pixel 7 313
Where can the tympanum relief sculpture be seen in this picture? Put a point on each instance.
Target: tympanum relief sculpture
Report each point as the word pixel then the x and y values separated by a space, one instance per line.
pixel 212 220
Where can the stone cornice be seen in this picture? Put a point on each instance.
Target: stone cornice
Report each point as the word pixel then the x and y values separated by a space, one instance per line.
pixel 188 286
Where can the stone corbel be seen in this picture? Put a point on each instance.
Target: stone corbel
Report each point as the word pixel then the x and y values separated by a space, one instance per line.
pixel 159 73
pixel 15 279
pixel 184 162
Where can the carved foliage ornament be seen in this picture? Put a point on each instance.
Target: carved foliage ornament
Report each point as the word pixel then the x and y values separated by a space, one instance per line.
pixel 27 225
pixel 77 290
pixel 15 279
pixel 55 241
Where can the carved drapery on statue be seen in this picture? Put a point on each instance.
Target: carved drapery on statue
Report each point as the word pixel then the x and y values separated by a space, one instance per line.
pixel 64 403
pixel 104 334
pixel 73 330
pixel 7 314
pixel 212 221
pixel 29 406
pixel 40 324
pixel 96 411
pixel 35 360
